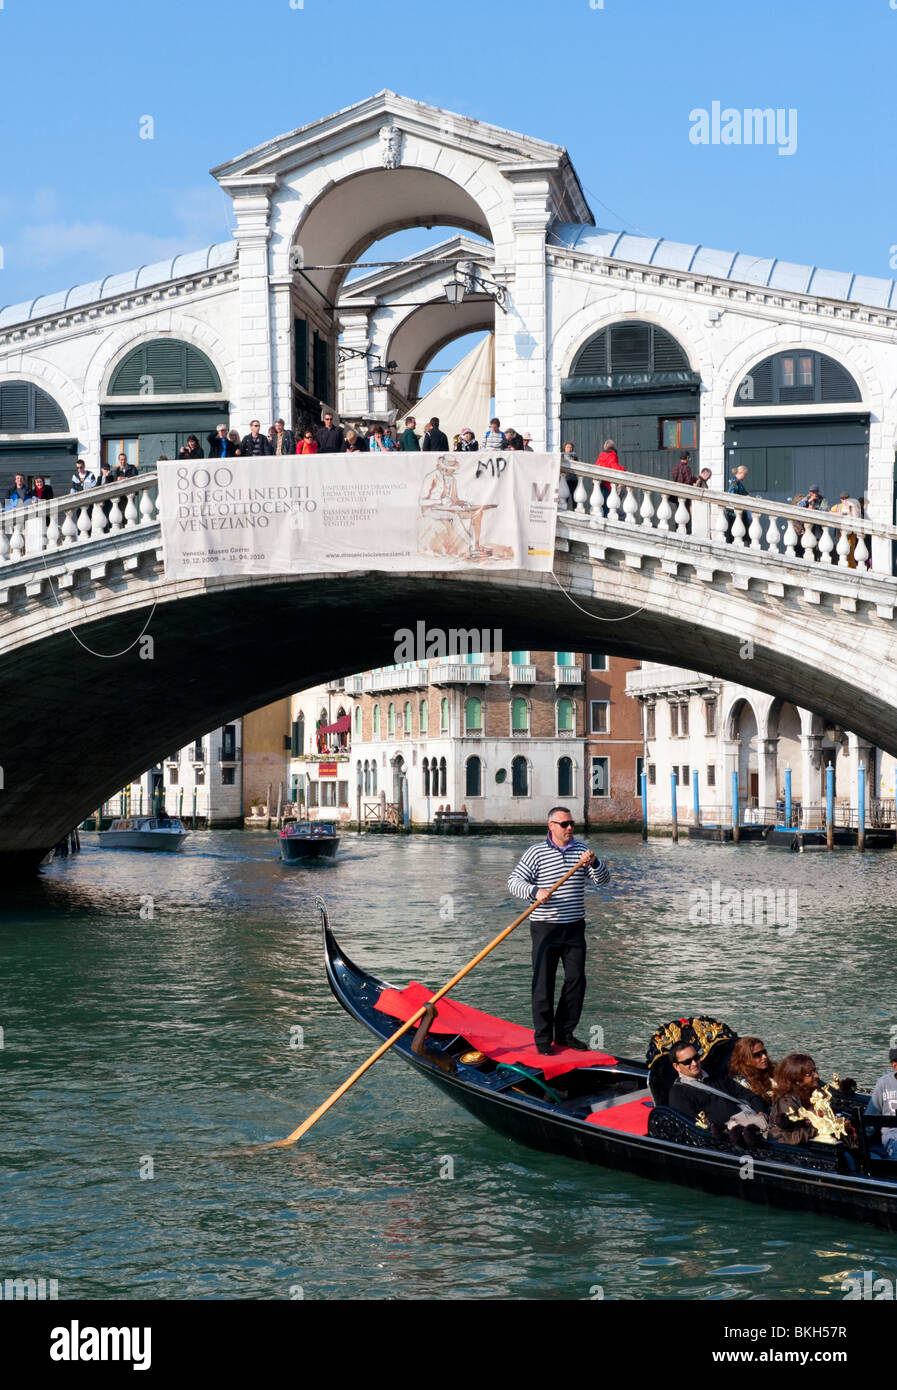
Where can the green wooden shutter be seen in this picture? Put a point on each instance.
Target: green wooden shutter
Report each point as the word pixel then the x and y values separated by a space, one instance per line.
pixel 300 352
pixel 173 368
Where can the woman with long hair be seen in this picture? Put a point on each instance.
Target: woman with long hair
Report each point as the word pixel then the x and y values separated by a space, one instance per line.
pixel 791 1119
pixel 751 1069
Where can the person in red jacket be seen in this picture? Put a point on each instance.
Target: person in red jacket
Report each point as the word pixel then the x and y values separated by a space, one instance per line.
pixel 608 457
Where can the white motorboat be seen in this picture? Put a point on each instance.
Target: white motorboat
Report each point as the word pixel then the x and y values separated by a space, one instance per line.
pixel 144 832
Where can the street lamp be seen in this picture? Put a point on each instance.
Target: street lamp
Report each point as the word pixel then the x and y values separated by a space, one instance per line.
pixel 466 281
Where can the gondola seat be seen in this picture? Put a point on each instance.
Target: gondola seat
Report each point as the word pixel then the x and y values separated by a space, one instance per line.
pixel 630 1117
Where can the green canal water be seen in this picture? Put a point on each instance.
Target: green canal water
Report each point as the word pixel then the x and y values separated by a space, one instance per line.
pixel 162 1043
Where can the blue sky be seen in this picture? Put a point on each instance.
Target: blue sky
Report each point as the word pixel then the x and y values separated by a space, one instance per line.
pixel 82 195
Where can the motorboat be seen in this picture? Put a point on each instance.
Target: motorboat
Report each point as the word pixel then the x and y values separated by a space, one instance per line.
pixel 304 839
pixel 156 833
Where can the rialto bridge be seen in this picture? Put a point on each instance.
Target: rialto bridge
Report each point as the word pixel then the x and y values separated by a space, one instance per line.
pixel 106 664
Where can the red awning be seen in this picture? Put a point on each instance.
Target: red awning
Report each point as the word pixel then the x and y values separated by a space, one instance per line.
pixel 342 726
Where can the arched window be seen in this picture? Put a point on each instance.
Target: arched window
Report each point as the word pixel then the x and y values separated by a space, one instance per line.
pixel 630 347
pixel 796 377
pixel 442 777
pixel 26 409
pixel 391 720
pixel 358 721
pixel 519 777
pixel 164 367
pixel 473 781
pixel 423 718
pixel 565 716
pixel 367 778
pixel 300 735
pixel 376 719
pixel 373 776
pixel 426 776
pixel 519 716
pixel 473 715
pixel 359 775
pixel 565 776
pixel 407 729
pixel 444 715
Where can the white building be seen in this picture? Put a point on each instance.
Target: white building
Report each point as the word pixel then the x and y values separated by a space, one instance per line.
pixel 708 730
pixel 201 782
pixel 654 343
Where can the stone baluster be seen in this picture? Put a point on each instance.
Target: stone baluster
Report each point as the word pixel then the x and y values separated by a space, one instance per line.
pixel 580 496
pixel 630 506
pixel 147 507
pixel 17 540
pixel 843 548
pixel 614 503
pixel 4 541
pixel 53 532
pixel 646 510
pixel 132 516
pixel 98 521
pixel 755 531
pixel 826 545
pixel 808 543
pixel 116 517
pixel 664 514
pixel 773 537
pixel 861 551
pixel 84 524
pixel 69 529
pixel 739 531
pixel 682 518
pixel 719 524
pixel 791 539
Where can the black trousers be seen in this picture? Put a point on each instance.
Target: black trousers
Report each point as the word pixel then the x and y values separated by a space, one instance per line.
pixel 554 942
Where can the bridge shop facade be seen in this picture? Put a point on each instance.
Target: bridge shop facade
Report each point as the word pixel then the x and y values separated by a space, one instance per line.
pixel 660 345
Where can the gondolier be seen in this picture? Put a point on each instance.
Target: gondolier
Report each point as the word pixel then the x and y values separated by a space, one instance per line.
pixel 558 928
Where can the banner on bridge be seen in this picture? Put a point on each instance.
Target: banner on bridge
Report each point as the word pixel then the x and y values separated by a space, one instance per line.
pixel 320 513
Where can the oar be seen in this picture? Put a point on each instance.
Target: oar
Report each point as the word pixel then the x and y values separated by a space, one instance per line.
pixel 416 1017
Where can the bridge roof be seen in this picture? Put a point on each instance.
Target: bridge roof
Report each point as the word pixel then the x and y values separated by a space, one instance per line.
pixel 739 266
pixel 144 277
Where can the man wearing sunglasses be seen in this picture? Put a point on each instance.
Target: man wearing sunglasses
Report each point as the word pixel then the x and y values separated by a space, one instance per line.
pixel 558 927
pixel 691 1099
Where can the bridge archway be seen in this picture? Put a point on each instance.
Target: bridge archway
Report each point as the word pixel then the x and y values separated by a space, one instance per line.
pixel 742 732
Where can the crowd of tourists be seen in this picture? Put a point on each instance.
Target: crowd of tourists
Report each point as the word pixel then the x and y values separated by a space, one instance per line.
pixel 352 438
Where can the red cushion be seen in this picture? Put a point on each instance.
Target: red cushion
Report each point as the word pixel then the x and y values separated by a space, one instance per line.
pixel 631 1117
pixel 495 1037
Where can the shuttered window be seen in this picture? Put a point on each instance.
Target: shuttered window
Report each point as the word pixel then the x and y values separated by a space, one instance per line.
pixel 630 347
pixel 25 409
pixel 796 378
pixel 164 367
pixel 300 352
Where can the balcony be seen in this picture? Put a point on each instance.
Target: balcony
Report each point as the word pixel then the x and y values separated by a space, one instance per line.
pixel 568 675
pixel 230 753
pixel 521 675
pixel 405 678
pixel 461 674
pixel 354 685
pixel 337 685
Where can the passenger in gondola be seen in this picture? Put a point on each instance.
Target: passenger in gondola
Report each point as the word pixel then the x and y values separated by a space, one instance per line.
pixel 750 1074
pixel 801 1112
pixel 692 1094
pixel 420 1046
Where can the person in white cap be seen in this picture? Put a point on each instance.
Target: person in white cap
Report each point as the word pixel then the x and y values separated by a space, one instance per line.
pixel 527 443
pixel 468 444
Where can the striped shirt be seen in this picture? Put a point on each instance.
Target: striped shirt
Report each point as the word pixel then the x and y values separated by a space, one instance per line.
pixel 541 867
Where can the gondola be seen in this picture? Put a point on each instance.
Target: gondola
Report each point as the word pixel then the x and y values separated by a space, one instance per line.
pixel 612 1113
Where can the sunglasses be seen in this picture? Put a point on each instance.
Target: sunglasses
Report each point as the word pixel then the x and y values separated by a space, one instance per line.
pixel 761 1053
pixel 563 823
pixel 688 1061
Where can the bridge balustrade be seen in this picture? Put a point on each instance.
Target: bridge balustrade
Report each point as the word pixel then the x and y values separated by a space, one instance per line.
pixel 698 515
pixel 41 527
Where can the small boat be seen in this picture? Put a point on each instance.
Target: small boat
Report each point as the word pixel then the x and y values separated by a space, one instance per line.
pixel 613 1113
pixel 315 839
pixel 144 832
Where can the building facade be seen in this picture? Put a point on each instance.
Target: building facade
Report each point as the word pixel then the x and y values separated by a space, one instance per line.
pixel 202 782
pixel 660 345
pixel 614 743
